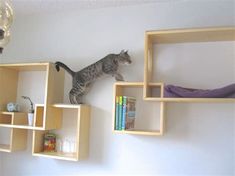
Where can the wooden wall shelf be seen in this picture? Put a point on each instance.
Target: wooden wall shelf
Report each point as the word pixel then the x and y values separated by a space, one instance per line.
pixel 167 37
pixel 82 134
pixel 48 115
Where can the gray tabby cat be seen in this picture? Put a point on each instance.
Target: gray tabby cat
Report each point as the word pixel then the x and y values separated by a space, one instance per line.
pixel 83 79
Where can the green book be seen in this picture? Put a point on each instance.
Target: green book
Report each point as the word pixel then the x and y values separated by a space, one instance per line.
pixel 116 112
pixel 120 114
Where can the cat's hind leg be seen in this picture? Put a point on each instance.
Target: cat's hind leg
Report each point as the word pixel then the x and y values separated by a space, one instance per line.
pixel 79 99
pixel 72 96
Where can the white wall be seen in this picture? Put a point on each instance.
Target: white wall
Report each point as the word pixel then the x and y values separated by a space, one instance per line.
pixel 200 137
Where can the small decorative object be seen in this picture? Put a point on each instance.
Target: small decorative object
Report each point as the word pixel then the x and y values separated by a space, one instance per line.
pixel 31 111
pixel 83 79
pixel 49 142
pixel 6 18
pixel 13 107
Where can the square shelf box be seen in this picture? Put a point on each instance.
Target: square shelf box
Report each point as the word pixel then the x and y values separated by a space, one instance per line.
pixel 181 36
pixel 76 120
pixel 144 125
pixel 23 79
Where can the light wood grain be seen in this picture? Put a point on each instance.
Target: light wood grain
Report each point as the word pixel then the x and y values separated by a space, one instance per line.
pixel 192 35
pixel 38 115
pixel 20 118
pixel 56 155
pixel 139 132
pixel 5 118
pixel 18 139
pixel 54 94
pixel 8 88
pixel 5 148
pixel 82 134
pixel 26 66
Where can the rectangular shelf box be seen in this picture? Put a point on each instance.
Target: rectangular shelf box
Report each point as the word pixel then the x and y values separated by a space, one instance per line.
pixel 144 125
pixel 80 118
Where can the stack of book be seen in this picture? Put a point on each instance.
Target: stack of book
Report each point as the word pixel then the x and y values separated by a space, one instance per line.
pixel 125 113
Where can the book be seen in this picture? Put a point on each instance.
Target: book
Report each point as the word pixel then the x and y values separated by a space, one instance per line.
pixel 120 113
pixel 129 113
pixel 124 104
pixel 116 112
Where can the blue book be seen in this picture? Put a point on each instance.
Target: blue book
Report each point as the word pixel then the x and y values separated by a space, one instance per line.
pixel 116 112
pixel 124 104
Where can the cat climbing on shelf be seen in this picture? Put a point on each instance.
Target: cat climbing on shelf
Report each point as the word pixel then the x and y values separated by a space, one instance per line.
pixel 83 79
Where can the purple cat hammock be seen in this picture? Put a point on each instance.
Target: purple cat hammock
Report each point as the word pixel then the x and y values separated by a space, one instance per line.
pixel 176 91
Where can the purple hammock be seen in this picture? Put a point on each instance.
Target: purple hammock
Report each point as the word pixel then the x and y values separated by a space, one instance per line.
pixel 176 91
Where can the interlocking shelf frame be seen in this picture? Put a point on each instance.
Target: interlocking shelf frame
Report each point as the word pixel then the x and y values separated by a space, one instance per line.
pixel 48 115
pixel 170 37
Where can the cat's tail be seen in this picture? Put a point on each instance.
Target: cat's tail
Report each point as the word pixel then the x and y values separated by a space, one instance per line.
pixel 60 64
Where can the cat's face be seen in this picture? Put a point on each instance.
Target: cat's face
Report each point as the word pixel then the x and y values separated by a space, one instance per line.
pixel 124 58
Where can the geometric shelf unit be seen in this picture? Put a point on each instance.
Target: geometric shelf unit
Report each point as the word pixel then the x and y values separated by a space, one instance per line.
pixel 182 36
pixel 82 121
pixel 48 113
pixel 119 90
pixel 53 85
pixel 169 37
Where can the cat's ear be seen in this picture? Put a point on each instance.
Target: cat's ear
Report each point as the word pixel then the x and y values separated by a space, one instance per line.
pixel 122 52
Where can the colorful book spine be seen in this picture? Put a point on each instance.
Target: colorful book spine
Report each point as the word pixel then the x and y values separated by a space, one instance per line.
pixel 124 106
pixel 120 114
pixel 130 113
pixel 116 112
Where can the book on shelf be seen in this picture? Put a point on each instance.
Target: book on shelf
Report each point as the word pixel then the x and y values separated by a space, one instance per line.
pixel 116 112
pixel 125 113
pixel 120 113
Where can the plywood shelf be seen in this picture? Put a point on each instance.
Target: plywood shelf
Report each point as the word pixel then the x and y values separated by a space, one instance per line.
pixel 119 90
pixel 170 37
pixel 48 113
pixel 193 100
pixel 5 148
pixel 56 155
pixel 82 134
pixel 139 132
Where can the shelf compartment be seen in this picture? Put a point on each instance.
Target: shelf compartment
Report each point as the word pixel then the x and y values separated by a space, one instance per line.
pixel 16 78
pixel 180 36
pixel 13 140
pixel 17 120
pixel 144 125
pixel 5 118
pixel 81 119
pixel 192 35
pixel 5 139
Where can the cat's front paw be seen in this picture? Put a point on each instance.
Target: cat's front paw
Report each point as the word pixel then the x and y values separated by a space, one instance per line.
pixel 119 77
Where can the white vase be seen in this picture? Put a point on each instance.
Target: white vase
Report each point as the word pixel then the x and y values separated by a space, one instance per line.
pixel 30 119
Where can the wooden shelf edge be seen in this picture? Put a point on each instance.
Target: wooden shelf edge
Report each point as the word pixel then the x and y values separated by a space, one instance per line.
pixel 150 133
pixel 189 30
pixel 69 105
pixel 192 100
pixel 55 156
pixel 138 83
pixel 21 127
pixel 5 148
